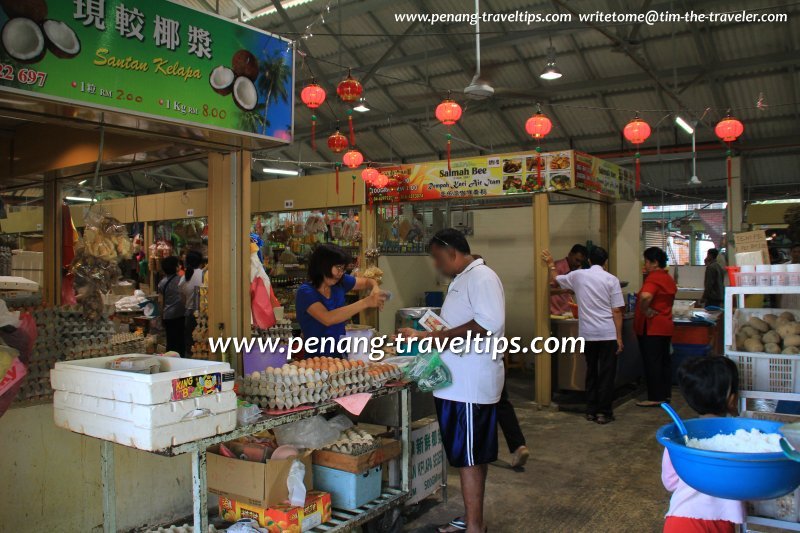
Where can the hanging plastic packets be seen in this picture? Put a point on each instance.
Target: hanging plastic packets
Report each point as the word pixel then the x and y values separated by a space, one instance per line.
pixel 429 372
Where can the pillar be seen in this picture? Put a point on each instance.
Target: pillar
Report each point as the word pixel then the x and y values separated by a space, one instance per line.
pixel 51 291
pixel 368 238
pixel 735 208
pixel 541 293
pixel 229 246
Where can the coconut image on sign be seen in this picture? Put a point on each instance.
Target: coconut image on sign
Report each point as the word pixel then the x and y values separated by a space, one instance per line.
pixel 238 79
pixel 28 34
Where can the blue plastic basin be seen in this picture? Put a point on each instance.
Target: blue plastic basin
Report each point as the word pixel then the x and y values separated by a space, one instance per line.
pixel 734 476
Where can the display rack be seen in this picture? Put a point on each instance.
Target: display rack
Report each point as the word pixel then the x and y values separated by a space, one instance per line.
pixel 739 294
pixel 342 520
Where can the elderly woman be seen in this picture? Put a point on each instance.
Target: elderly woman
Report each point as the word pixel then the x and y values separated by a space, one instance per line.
pixel 654 327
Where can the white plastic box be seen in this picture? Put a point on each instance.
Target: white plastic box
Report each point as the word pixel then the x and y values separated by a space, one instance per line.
pixel 144 410
pixel 91 377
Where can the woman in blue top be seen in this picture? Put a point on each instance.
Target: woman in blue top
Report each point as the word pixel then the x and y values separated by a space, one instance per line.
pixel 320 302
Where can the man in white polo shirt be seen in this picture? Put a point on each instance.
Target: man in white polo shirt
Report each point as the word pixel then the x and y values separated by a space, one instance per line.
pixel 600 305
pixel 475 305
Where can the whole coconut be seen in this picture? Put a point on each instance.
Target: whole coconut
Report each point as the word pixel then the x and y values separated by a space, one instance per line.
pixel 244 63
pixel 36 10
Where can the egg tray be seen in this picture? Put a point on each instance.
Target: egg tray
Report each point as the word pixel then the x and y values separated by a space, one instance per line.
pixel 308 382
pixel 63 333
pixel 354 441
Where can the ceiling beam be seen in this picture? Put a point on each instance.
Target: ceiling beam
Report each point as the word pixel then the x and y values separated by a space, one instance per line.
pixel 389 51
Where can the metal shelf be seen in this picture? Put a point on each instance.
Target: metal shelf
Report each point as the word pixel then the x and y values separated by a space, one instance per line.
pixel 740 293
pixel 770 522
pixel 342 520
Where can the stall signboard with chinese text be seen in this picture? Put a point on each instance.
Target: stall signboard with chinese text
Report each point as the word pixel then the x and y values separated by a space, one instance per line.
pixel 603 177
pixel 477 177
pixel 150 58
pixel 752 241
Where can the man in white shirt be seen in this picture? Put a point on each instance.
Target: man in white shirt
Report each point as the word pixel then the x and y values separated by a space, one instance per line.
pixel 475 305
pixel 600 305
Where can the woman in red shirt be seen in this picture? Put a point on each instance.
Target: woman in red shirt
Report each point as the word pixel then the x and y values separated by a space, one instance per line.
pixel 654 326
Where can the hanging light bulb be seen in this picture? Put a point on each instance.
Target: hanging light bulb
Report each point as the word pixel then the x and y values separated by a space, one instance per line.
pixel 550 71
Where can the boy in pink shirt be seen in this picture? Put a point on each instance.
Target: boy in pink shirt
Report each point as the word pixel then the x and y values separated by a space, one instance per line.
pixel 710 386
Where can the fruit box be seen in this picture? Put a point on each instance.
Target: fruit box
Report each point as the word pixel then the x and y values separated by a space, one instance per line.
pixel 280 518
pixel 251 483
pixel 356 464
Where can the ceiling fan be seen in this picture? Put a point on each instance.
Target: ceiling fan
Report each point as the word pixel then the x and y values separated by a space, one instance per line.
pixel 478 88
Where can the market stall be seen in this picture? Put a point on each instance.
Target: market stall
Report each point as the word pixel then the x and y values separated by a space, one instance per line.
pixel 510 206
pixel 76 118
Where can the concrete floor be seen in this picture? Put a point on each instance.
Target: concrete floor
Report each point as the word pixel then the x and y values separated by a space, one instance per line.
pixel 580 477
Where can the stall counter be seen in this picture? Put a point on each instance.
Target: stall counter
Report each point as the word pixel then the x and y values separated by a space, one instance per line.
pixel 572 366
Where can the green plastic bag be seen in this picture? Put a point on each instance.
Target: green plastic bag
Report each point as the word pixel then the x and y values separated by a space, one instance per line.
pixel 429 372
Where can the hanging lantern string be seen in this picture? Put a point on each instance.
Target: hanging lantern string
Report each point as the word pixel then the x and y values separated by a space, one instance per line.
pixel 318 21
pixel 534 99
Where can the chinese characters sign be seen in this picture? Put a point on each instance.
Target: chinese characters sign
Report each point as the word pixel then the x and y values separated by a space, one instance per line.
pixel 477 177
pixel 603 177
pixel 151 58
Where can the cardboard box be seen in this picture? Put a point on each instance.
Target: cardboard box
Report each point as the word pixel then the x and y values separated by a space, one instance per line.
pixel 280 518
pixel 356 464
pixel 255 484
pixel 427 457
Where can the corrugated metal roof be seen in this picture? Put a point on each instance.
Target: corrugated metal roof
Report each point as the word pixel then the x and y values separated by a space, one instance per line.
pixel 701 70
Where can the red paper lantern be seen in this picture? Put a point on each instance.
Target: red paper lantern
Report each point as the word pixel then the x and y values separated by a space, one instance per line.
pixel 369 175
pixel 337 142
pixel 448 112
pixel 349 89
pixel 729 129
pixel 312 95
pixel 352 158
pixel 381 181
pixel 636 131
pixel 538 126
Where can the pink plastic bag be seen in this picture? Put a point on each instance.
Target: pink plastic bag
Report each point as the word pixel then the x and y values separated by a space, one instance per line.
pixel 260 305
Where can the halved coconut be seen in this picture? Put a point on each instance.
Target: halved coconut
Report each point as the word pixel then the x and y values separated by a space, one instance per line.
pixel 23 40
pixel 36 10
pixel 245 94
pixel 61 39
pixel 221 80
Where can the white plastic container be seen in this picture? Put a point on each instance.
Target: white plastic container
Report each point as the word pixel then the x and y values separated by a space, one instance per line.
pixel 187 400
pixel 793 275
pixel 130 433
pixel 91 377
pixel 747 276
pixel 778 275
pixel 763 275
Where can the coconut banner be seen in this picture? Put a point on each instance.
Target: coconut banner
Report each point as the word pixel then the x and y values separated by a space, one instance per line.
pixel 150 58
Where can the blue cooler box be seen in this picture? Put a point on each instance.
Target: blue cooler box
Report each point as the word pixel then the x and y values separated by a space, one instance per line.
pixel 349 491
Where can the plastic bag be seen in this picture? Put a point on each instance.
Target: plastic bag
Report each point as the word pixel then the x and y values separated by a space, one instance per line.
pixel 429 372
pixel 295 482
pixel 313 433
pixel 340 423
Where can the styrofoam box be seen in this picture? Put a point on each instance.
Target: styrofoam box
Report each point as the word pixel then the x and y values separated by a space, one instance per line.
pixel 150 439
pixel 148 416
pixel 92 378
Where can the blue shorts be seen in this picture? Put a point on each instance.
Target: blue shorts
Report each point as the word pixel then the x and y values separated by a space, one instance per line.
pixel 469 432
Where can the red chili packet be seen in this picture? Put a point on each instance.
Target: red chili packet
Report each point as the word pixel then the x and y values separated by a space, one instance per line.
pixel 13 375
pixel 196 386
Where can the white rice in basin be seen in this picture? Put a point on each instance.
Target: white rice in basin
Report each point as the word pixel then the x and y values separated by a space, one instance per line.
pixel 743 441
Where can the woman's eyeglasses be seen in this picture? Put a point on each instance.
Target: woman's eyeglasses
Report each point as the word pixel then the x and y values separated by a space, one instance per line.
pixel 340 268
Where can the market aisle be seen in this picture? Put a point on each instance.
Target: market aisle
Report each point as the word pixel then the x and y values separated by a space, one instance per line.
pixel 580 477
